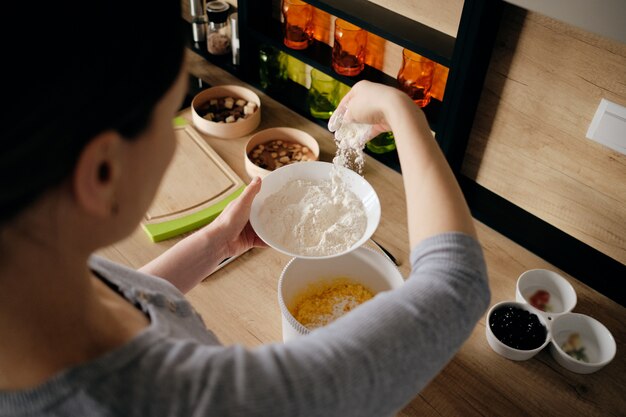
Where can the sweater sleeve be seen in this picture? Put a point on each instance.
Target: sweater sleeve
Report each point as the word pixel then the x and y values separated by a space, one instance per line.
pixel 370 362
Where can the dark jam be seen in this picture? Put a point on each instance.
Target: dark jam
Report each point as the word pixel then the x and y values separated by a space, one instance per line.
pixel 517 328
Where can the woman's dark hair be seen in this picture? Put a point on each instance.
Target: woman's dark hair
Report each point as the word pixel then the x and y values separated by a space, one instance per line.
pixel 73 70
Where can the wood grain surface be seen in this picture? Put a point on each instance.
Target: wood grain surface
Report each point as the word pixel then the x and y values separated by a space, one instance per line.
pixel 528 143
pixel 184 188
pixel 239 302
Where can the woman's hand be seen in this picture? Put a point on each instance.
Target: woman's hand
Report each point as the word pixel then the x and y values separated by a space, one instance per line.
pixel 232 227
pixel 195 257
pixel 369 103
pixel 435 203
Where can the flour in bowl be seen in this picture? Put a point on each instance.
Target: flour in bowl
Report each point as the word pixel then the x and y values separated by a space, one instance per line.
pixel 314 218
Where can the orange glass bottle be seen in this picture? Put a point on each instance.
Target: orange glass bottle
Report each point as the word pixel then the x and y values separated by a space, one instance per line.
pixel 348 57
pixel 416 77
pixel 297 24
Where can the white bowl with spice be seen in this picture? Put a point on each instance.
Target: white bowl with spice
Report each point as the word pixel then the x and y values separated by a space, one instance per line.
pixel 276 147
pixel 546 291
pixel 581 343
pixel 315 210
pixel 319 291
pixel 226 111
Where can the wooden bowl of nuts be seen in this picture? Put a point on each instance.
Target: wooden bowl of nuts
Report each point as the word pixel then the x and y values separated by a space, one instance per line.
pixel 273 148
pixel 226 111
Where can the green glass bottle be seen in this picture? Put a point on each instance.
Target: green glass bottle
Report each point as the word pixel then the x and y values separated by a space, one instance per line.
pixel 321 96
pixel 383 143
pixel 272 68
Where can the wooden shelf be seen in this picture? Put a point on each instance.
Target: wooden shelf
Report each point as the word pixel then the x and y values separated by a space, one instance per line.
pixel 394 27
pixel 318 56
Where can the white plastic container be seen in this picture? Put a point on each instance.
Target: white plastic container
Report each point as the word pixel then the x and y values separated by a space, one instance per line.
pixel 363 265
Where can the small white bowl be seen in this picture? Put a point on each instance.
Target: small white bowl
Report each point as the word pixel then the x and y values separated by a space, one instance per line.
pixel 278 133
pixel 598 342
pixel 562 295
pixel 363 265
pixel 226 130
pixel 508 351
pixel 315 171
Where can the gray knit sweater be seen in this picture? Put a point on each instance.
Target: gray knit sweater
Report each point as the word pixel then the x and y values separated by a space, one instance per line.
pixel 370 362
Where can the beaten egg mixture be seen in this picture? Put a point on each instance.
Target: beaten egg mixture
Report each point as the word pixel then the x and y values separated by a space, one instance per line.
pixel 325 302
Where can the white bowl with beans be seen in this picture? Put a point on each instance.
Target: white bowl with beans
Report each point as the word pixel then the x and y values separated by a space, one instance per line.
pixel 276 147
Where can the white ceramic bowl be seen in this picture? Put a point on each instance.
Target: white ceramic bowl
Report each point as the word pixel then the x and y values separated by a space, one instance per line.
pixel 505 350
pixel 363 265
pixel 315 171
pixel 562 295
pixel 598 342
pixel 226 130
pixel 278 133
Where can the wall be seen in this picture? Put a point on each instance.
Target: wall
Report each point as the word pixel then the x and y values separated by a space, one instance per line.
pixel 528 143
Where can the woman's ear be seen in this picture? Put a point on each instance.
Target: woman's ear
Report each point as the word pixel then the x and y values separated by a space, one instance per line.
pixel 96 175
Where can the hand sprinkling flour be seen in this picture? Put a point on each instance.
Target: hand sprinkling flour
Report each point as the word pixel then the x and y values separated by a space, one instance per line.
pixel 350 139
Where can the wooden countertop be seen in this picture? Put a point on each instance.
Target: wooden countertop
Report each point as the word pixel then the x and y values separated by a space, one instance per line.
pixel 239 301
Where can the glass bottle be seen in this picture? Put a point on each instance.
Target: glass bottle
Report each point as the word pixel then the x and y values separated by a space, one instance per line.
pixel 297 23
pixel 383 143
pixel 272 68
pixel 234 37
pixel 322 96
pixel 349 49
pixel 416 77
pixel 218 33
pixel 298 71
pixel 198 20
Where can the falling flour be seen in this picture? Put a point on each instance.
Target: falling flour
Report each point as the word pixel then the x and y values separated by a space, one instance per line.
pixel 350 139
pixel 314 218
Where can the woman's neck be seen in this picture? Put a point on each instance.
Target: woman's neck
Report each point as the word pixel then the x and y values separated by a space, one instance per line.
pixel 53 312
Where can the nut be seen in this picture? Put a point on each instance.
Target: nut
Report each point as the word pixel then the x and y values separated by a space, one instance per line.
pixel 219 109
pixel 276 153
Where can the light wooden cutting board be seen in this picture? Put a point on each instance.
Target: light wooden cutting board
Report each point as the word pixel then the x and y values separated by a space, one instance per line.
pixel 196 187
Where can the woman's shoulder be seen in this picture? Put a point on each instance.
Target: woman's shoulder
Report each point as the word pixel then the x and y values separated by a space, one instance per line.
pixel 125 277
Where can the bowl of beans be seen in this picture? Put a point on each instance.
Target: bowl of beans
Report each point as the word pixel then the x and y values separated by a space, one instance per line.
pixel 226 111
pixel 273 148
pixel 313 293
pixel 515 331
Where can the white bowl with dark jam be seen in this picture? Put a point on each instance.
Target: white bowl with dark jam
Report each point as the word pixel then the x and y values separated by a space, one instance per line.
pixel 515 331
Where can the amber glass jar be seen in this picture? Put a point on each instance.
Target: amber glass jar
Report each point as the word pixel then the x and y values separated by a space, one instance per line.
pixel 416 77
pixel 297 24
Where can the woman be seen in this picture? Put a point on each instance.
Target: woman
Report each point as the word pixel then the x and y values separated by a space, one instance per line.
pixel 80 335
